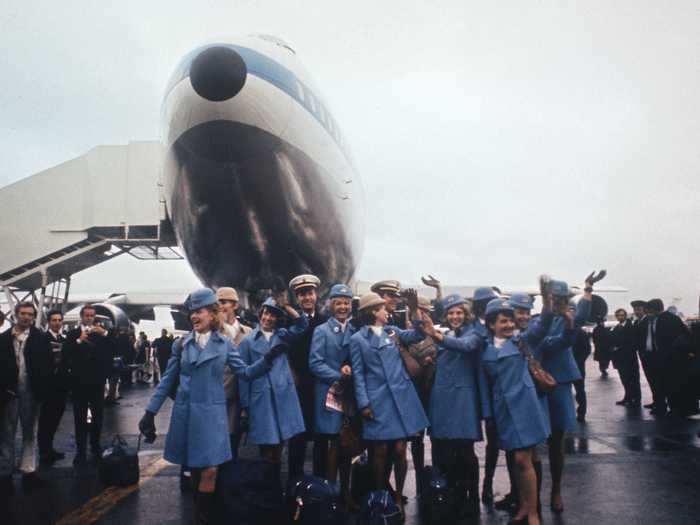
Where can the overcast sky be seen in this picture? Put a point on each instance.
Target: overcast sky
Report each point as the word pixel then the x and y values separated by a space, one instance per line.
pixel 499 142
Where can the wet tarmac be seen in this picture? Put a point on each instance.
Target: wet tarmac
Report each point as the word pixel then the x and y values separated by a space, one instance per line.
pixel 623 466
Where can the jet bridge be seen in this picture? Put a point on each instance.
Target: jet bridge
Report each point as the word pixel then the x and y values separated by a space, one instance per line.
pixel 78 214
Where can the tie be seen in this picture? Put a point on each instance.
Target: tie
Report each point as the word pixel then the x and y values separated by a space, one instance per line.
pixel 653 335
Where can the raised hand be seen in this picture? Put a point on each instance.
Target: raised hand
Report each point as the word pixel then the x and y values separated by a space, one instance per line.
pixel 594 278
pixel 430 281
pixel 411 297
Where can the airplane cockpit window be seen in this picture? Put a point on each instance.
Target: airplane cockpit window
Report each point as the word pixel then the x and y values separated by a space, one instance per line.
pixel 274 40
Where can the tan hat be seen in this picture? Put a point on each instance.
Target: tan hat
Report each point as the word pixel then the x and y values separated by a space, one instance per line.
pixel 425 304
pixel 304 281
pixel 388 286
pixel 226 293
pixel 369 300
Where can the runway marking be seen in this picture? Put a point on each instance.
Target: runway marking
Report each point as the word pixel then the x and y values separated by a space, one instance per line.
pixel 106 500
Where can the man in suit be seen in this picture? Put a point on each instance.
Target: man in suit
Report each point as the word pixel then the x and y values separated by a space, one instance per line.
pixel 624 358
pixel 89 350
pixel 25 373
pixel 656 336
pixel 305 291
pixel 162 347
pixel 52 409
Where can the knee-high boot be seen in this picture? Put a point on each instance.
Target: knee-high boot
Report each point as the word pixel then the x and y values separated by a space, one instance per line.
pixel 203 503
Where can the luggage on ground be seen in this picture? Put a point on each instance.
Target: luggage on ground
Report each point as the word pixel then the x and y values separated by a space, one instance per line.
pixel 437 503
pixel 380 509
pixel 313 501
pixel 248 491
pixel 119 464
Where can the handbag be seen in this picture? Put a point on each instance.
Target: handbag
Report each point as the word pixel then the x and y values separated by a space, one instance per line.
pixel 544 381
pixel 350 441
pixel 119 464
pixel 412 365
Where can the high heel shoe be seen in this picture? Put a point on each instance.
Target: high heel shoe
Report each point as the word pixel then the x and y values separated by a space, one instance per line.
pixel 521 521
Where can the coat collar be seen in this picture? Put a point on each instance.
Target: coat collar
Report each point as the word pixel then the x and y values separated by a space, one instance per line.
pixel 195 356
pixel 509 348
pixel 336 327
pixel 378 341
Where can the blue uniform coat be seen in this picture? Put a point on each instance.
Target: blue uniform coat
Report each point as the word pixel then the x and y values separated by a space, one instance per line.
pixel 454 408
pixel 329 351
pixel 383 385
pixel 558 360
pixel 520 418
pixel 199 434
pixel 271 400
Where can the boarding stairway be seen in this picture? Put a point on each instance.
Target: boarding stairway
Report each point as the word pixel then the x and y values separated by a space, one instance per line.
pixel 79 214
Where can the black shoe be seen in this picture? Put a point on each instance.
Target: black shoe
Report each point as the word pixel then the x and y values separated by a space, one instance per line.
pixel 621 402
pixel 50 457
pixel 521 521
pixel 633 404
pixel 649 405
pixel 80 459
pixel 31 481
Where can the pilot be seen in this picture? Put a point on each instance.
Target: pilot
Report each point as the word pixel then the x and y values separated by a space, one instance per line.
pixel 235 331
pixel 384 392
pixel 271 401
pixel 329 362
pixel 304 288
pixel 390 291
pixel 199 433
pixel 458 378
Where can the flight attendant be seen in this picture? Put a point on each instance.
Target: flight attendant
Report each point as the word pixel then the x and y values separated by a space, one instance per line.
pixel 454 408
pixel 518 413
pixel 270 401
pixel 560 363
pixel 329 362
pixel 482 296
pixel 199 434
pixel 384 392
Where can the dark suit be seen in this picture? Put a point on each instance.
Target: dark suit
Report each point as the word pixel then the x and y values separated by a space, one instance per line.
pixel 582 349
pixel 37 357
pixel 624 357
pixel 52 409
pixel 657 360
pixel 298 357
pixel 90 363
pixel 602 341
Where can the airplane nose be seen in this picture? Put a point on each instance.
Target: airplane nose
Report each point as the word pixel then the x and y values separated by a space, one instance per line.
pixel 218 73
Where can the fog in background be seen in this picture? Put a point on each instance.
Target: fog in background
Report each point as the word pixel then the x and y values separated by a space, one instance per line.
pixel 494 142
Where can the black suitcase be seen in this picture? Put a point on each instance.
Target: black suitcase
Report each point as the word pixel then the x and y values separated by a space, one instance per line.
pixel 437 503
pixel 119 464
pixel 312 500
pixel 248 491
pixel 362 479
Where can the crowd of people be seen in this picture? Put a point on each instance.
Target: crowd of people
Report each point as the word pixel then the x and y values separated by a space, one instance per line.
pixel 40 371
pixel 361 373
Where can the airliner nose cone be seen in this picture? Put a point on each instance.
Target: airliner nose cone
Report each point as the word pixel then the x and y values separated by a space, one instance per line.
pixel 218 73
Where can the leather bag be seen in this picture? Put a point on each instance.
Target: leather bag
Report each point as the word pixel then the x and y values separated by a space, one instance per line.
pixel 544 381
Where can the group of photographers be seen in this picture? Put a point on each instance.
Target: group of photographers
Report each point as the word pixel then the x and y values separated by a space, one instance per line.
pixel 489 368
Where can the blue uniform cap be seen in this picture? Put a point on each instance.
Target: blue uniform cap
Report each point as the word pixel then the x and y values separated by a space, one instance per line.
pixel 496 306
pixel 200 298
pixel 271 305
pixel 340 290
pixel 483 293
pixel 559 288
pixel 452 300
pixel 521 300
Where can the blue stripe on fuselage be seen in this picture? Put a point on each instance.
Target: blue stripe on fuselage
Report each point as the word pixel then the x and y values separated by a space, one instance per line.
pixel 282 78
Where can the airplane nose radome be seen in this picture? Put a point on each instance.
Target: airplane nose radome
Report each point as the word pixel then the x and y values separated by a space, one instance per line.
pixel 218 73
